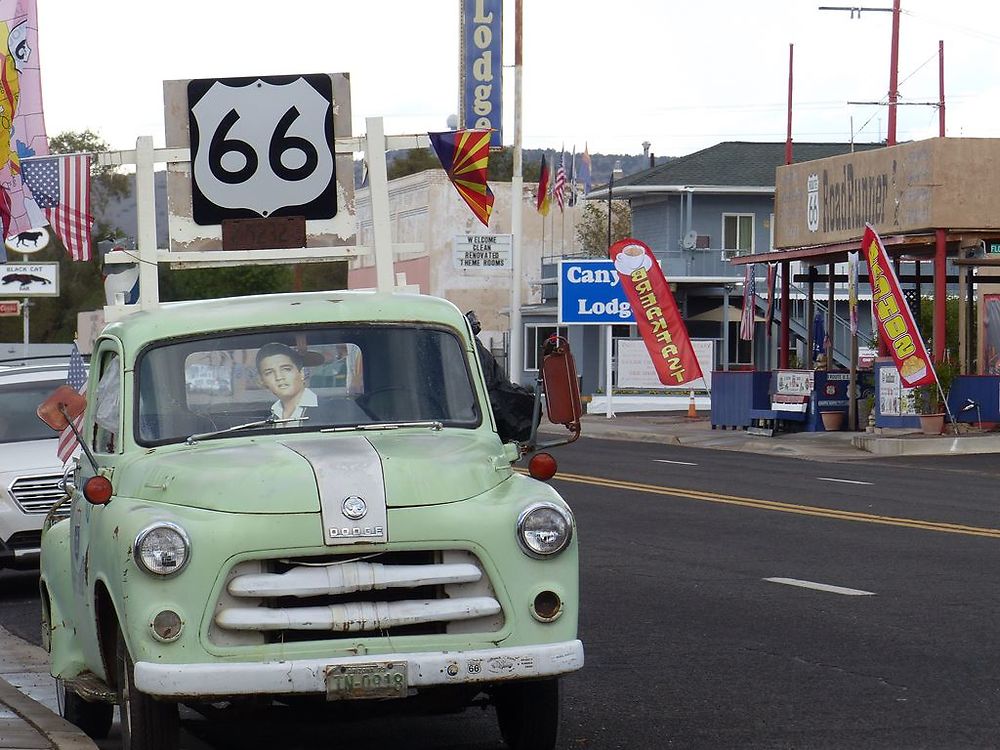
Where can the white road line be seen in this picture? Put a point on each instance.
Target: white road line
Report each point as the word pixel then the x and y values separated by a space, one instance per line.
pixel 679 463
pixel 845 481
pixel 821 587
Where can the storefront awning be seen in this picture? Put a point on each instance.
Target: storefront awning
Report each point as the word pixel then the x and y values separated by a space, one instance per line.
pixel 899 244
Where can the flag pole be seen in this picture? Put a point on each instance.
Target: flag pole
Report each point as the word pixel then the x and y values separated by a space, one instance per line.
pixel 516 187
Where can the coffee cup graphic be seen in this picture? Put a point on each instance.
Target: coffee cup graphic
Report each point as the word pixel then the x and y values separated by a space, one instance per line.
pixel 631 259
pixel 912 369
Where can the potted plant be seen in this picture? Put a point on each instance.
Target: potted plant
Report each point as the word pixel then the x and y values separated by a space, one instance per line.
pixel 928 402
pixel 866 405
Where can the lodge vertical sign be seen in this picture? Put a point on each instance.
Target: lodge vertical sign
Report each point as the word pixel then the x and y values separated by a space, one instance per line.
pixel 481 68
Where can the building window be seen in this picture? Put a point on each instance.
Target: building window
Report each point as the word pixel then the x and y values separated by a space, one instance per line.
pixel 534 336
pixel 737 233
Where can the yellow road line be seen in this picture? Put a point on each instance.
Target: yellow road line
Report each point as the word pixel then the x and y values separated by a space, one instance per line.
pixel 781 507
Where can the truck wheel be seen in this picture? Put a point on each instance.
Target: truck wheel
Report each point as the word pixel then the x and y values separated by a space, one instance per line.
pixel 93 717
pixel 528 714
pixel 146 724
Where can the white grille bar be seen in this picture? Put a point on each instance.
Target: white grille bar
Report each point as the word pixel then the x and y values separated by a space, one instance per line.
pixel 357 616
pixel 346 578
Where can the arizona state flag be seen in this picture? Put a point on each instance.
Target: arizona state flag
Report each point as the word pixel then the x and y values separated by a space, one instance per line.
pixel 542 203
pixel 465 156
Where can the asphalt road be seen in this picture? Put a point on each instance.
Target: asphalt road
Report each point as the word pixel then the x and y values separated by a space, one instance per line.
pixel 734 600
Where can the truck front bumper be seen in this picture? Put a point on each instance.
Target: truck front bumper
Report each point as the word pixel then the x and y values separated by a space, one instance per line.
pixel 224 679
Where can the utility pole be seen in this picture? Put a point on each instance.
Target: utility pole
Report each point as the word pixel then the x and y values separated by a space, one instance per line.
pixel 893 58
pixel 514 346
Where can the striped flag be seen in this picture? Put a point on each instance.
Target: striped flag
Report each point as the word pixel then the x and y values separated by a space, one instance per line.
pixel 77 379
pixel 560 184
pixel 772 275
pixel 585 169
pixel 544 178
pixel 749 303
pixel 60 185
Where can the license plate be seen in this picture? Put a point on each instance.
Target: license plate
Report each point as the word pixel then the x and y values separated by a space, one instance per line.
pixel 380 679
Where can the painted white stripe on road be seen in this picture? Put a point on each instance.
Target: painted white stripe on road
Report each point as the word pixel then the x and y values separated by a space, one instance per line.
pixel 845 481
pixel 678 463
pixel 821 587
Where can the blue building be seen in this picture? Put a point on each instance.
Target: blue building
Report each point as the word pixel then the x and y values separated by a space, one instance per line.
pixel 697 213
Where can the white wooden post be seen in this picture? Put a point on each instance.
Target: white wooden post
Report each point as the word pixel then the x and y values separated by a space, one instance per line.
pixel 378 185
pixel 145 204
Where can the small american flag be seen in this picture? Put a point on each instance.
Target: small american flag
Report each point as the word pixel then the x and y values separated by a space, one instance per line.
pixel 772 275
pixel 749 303
pixel 77 379
pixel 560 184
pixel 60 186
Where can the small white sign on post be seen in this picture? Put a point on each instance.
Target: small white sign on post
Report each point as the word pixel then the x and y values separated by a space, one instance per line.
pixel 29 279
pixel 636 370
pixel 477 252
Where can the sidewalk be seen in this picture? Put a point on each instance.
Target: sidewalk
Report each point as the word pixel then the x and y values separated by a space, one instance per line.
pixel 25 684
pixel 678 429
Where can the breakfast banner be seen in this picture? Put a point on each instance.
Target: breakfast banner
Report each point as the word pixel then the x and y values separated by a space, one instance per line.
pixel 656 314
pixel 895 322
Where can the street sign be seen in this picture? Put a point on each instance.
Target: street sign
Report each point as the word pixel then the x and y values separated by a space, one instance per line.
pixel 482 251
pixel 262 147
pixel 29 279
pixel 590 294
pixel 10 308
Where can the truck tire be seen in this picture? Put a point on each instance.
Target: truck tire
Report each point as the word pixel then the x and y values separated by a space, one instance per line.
pixel 93 717
pixel 528 714
pixel 146 724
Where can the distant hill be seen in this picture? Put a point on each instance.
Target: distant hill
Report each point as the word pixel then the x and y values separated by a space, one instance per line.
pixel 600 164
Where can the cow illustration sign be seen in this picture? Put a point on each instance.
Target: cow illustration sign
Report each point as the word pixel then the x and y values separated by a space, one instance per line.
pixel 262 147
pixel 29 279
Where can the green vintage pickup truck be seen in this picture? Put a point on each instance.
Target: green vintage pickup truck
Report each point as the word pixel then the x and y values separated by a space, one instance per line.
pixel 303 498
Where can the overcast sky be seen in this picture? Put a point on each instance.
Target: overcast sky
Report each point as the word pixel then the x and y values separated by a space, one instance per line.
pixel 681 75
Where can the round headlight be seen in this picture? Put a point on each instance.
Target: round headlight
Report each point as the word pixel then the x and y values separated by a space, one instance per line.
pixel 162 550
pixel 544 529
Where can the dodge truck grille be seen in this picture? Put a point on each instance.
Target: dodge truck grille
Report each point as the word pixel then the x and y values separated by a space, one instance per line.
pixel 37 494
pixel 351 596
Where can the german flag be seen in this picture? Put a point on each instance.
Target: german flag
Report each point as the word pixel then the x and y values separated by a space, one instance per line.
pixel 465 156
pixel 544 185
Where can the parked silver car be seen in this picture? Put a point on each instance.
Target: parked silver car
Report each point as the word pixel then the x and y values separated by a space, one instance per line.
pixel 30 471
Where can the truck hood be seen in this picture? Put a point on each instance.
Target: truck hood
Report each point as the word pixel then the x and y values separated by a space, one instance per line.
pixel 286 476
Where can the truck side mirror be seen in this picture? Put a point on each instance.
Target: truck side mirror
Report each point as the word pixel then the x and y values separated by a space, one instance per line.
pixel 62 407
pixel 562 388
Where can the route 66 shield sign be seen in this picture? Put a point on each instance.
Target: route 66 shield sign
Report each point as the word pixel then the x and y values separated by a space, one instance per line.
pixel 262 147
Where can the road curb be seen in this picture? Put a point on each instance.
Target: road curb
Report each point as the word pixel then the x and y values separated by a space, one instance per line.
pixel 58 731
pixel 18 659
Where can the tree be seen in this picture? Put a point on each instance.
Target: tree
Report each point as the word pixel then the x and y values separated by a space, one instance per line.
pixel 53 319
pixel 592 229
pixel 413 161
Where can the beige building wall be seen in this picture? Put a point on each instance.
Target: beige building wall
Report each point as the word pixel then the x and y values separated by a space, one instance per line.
pixel 426 208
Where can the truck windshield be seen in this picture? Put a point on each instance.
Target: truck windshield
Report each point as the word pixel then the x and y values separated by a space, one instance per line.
pixel 310 379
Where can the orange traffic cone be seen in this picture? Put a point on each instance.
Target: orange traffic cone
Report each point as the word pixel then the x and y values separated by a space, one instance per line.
pixel 692 411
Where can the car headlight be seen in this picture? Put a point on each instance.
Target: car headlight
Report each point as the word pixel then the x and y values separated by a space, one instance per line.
pixel 162 549
pixel 544 529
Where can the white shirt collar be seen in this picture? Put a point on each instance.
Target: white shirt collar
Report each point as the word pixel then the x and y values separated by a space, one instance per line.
pixel 308 400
